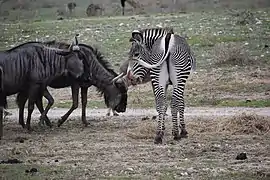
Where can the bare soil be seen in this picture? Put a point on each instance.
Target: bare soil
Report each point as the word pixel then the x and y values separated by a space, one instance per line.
pixel 110 148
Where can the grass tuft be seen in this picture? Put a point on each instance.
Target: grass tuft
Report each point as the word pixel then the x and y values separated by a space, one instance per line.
pixel 238 124
pixel 146 130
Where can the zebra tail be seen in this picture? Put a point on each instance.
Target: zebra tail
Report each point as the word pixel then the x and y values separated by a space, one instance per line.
pixel 164 57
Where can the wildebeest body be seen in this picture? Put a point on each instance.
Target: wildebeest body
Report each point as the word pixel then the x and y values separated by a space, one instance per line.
pixel 29 67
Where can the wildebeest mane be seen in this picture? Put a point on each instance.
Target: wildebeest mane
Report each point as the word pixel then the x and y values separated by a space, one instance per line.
pixel 104 63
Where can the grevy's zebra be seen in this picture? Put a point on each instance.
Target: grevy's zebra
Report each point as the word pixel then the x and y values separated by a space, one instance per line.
pixel 170 60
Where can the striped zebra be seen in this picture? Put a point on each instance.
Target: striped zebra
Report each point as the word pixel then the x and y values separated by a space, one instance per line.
pixel 170 61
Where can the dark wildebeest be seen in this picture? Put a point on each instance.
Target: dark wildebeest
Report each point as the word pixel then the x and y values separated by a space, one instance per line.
pixel 71 6
pixel 29 67
pixel 123 71
pixel 123 2
pixel 98 72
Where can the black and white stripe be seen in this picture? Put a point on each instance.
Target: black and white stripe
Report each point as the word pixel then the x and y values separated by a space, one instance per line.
pixel 170 61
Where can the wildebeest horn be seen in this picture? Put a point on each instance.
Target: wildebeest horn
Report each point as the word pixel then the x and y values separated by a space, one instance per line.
pixel 117 77
pixel 76 39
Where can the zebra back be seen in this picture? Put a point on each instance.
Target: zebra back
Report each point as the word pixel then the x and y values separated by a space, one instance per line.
pixel 150 35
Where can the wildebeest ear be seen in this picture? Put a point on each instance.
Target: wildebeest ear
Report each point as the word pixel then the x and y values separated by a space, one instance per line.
pixel 137 35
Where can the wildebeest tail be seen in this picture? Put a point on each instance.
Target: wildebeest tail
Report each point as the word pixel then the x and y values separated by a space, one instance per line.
pixel 3 99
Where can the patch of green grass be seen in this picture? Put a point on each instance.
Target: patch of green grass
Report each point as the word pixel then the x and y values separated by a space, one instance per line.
pixel 212 101
pixel 210 41
pixel 90 104
pixel 236 176
pixel 17 171
pixel 244 103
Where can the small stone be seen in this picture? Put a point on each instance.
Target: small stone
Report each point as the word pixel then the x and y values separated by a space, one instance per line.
pixel 241 156
pixel 145 118
pixel 56 160
pixel 33 170
pixel 130 169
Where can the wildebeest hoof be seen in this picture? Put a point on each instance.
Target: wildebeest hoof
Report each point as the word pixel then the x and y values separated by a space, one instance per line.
pixel 59 123
pixel 28 127
pixel 41 124
pixel 23 125
pixel 184 133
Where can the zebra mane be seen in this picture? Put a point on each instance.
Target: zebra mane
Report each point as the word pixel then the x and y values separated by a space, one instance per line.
pixel 166 29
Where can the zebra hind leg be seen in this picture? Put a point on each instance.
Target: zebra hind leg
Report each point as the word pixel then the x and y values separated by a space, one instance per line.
pixel 174 111
pixel 177 107
pixel 160 105
pixel 181 107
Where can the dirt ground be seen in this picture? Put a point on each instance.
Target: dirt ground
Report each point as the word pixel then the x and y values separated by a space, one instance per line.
pixel 122 147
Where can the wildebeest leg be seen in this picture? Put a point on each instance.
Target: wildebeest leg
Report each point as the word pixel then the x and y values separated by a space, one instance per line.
pixel 115 113
pixel 75 93
pixel 43 112
pixel 84 103
pixel 21 100
pixel 33 92
pixel 1 121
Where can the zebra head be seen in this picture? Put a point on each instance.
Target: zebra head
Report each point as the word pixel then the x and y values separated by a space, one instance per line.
pixel 138 52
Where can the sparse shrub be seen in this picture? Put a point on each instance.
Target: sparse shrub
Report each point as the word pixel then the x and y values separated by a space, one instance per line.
pixel 93 9
pixel 245 17
pixel 231 54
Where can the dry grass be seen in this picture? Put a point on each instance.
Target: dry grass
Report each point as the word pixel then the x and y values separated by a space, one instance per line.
pixel 238 124
pixel 146 130
pixel 231 54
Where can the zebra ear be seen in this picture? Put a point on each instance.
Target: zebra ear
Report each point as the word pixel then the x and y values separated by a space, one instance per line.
pixel 137 35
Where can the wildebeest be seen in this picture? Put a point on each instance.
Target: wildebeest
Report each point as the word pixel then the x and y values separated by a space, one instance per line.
pixel 71 6
pixel 98 72
pixel 123 71
pixel 29 67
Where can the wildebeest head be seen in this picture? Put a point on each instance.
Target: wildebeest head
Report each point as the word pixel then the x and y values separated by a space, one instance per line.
pixel 116 95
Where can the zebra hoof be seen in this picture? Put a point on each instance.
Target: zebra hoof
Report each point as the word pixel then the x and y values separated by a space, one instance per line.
pixel 184 133
pixel 158 138
pixel 177 137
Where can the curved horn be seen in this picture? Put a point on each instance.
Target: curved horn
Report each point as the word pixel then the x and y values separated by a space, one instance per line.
pixel 76 39
pixel 117 77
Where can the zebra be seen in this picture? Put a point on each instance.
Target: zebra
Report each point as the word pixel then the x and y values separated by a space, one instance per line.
pixel 170 61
